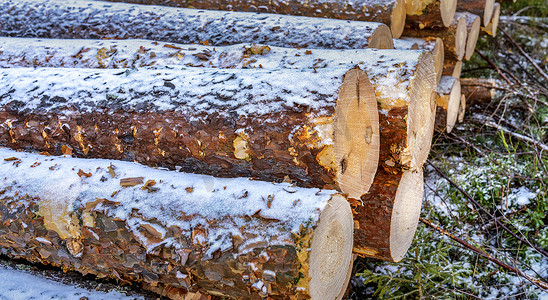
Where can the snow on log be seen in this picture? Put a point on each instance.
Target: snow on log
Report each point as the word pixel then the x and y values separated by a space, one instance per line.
pixel 453 37
pixel 448 101
pixel 388 215
pixel 482 8
pixel 401 78
pixel 228 237
pixel 491 28
pixel 320 131
pixel 431 13
pixel 435 46
pixel 103 20
pixel 479 90
pixel 402 44
pixel 462 108
pixel 452 67
pixel 473 26
pixel 390 12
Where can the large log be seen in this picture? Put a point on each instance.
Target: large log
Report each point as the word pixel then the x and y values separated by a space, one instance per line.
pixel 434 45
pixel 430 13
pixel 473 26
pixel 103 20
pixel 482 8
pixel 448 102
pixel 491 28
pixel 390 12
pixel 388 215
pixel 401 78
pixel 320 131
pixel 453 37
pixel 228 237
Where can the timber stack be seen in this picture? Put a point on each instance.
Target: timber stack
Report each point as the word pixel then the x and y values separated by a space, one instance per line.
pixel 221 148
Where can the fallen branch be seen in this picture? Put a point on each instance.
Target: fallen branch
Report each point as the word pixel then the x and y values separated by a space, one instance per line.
pixel 517 135
pixel 540 250
pixel 525 55
pixel 502 264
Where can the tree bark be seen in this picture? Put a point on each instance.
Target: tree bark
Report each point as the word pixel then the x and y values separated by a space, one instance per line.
pixel 448 102
pixel 321 131
pixel 228 237
pixel 473 26
pixel 430 14
pixel 453 37
pixel 99 20
pixel 482 8
pixel 388 215
pixel 390 12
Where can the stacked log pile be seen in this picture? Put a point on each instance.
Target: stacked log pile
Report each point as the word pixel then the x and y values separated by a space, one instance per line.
pixel 223 151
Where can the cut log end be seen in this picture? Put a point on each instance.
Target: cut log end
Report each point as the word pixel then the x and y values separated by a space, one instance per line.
pixel 491 28
pixel 420 123
pixel 460 38
pixel 405 216
pixel 489 11
pixel 397 19
pixel 448 101
pixel 356 134
pixel 447 10
pixel 473 34
pixel 462 108
pixel 439 57
pixel 381 38
pixel 331 250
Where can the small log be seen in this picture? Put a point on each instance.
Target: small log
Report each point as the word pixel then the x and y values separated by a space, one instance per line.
pixel 448 101
pixel 389 215
pixel 320 131
pixel 479 90
pixel 435 46
pixel 452 68
pixel 430 14
pixel 74 19
pixel 453 37
pixel 401 78
pixel 473 26
pixel 233 238
pixel 462 108
pixel 482 8
pixel 491 28
pixel 390 12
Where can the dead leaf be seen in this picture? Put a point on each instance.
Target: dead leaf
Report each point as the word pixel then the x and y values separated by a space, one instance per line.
pixel 308 52
pixel 149 186
pixel 11 158
pixel 82 173
pixel 111 170
pixel 132 181
pixel 66 150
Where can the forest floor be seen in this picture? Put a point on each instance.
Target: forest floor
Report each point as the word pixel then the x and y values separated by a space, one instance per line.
pixel 498 156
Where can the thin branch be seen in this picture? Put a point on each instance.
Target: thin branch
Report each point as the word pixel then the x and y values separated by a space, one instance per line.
pixel 540 250
pixel 495 67
pixel 502 264
pixel 525 55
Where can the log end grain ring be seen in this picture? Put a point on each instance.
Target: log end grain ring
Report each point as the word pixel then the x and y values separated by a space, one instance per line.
pixel 331 250
pixel 356 134
pixel 381 38
pixel 448 101
pixel 473 34
pixel 397 19
pixel 460 38
pixel 447 10
pixel 439 56
pixel 489 11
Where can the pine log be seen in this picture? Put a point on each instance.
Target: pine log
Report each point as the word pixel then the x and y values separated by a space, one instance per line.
pixel 482 8
pixel 473 26
pixel 74 19
pixel 401 78
pixel 491 28
pixel 462 108
pixel 448 101
pixel 390 12
pixel 435 46
pixel 227 237
pixel 403 44
pixel 430 13
pixel 452 68
pixel 388 215
pixel 320 131
pixel 479 90
pixel 453 37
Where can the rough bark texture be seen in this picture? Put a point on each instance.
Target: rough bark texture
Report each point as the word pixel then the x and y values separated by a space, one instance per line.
pixel 100 20
pixel 453 37
pixel 221 122
pixel 478 90
pixel 430 13
pixel 176 231
pixel 482 8
pixel 382 11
